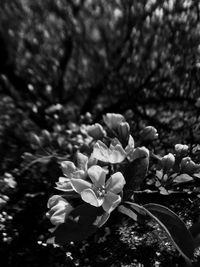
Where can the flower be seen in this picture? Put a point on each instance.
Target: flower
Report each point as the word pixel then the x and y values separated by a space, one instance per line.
pixel 100 192
pixel 71 171
pixel 96 131
pixel 114 154
pixel 59 209
pixel 112 120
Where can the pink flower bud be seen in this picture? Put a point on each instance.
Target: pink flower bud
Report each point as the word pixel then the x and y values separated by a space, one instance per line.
pixel 188 166
pixel 96 131
pixel 149 133
pixel 112 120
pixel 123 130
pixel 167 162
pixel 181 149
pixel 59 209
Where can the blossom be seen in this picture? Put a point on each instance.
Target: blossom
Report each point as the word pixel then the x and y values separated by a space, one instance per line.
pixel 96 131
pixel 100 192
pixel 112 120
pixel 59 209
pixel 71 171
pixel 114 154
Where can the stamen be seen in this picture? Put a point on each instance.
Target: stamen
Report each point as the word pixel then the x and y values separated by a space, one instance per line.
pixel 100 191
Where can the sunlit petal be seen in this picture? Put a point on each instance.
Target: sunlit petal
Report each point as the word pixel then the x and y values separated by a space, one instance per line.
pixel 82 161
pixel 59 212
pixel 79 185
pixel 112 120
pixel 68 168
pixel 97 175
pixel 111 201
pixel 100 151
pixel 89 196
pixel 116 154
pixel 115 183
pixel 80 174
pixel 64 184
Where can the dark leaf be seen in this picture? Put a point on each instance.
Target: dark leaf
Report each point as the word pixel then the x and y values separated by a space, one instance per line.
pixel 174 227
pixel 82 222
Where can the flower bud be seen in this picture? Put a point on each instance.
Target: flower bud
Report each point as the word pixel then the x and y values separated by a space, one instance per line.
pixel 167 162
pixel 112 120
pixel 96 131
pixel 149 133
pixel 188 166
pixel 139 152
pixel 59 209
pixel 123 130
pixel 181 149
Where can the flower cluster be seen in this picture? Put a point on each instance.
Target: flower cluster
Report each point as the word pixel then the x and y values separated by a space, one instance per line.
pixel 96 178
pixel 175 169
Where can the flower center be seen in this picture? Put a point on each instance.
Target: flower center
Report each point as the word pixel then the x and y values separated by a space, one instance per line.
pixel 100 191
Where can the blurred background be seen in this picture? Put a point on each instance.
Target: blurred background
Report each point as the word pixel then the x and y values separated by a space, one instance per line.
pixel 67 62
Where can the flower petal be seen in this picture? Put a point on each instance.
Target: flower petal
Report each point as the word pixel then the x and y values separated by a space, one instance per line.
pixel 112 120
pixel 115 183
pixel 58 213
pixel 82 161
pixel 64 184
pixel 54 200
pixel 116 154
pixel 80 174
pixel 79 185
pixel 100 151
pixel 111 201
pixel 89 196
pixel 68 168
pixel 97 175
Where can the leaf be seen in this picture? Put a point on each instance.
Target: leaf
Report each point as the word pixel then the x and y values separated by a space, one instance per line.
pixel 174 227
pixel 81 223
pixel 183 178
pixel 132 211
pixel 135 173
